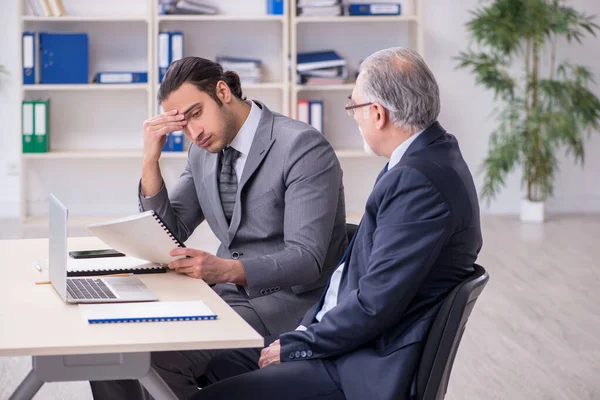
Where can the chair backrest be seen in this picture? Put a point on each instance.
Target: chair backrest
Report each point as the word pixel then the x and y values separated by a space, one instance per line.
pixel 350 230
pixel 445 335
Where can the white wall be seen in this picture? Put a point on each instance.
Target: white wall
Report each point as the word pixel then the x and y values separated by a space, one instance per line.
pixel 466 109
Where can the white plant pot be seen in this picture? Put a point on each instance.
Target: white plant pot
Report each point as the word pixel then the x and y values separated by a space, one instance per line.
pixel 532 211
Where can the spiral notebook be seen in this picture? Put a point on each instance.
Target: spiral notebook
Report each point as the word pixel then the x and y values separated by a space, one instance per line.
pixel 111 265
pixel 159 311
pixel 143 236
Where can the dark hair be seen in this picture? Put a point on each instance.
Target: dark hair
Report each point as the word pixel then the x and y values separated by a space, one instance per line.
pixel 202 73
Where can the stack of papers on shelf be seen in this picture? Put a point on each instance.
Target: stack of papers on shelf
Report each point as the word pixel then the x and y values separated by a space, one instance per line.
pixel 186 7
pixel 249 69
pixel 320 8
pixel 321 68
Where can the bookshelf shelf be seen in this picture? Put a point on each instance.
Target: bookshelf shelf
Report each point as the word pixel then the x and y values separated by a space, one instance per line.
pixel 345 19
pixel 221 18
pixel 353 153
pixel 69 18
pixel 317 88
pixel 95 154
pixel 90 86
pixel 263 85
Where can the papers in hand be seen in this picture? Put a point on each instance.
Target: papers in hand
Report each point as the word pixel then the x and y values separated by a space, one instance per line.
pixel 141 235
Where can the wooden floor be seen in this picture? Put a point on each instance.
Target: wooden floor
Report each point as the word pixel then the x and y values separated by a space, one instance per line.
pixel 534 332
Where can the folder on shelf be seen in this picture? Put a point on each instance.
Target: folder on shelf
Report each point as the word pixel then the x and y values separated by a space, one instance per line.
pixel 275 7
pixel 41 126
pixel 45 6
pixel 158 311
pixel 27 126
pixel 303 113
pixel 64 58
pixel 35 8
pixel 176 141
pixel 56 8
pixel 318 59
pixel 164 44
pixel 374 9
pixel 28 58
pixel 121 77
pixel 176 46
pixel 316 115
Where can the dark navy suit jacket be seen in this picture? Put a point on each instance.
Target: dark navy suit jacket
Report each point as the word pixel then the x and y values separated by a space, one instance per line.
pixel 419 237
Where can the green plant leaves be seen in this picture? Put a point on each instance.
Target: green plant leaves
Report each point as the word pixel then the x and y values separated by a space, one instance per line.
pixel 541 115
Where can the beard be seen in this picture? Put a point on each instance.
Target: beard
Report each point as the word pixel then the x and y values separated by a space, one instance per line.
pixel 366 146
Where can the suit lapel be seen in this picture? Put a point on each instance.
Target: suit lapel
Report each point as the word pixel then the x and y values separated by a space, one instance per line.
pixel 263 140
pixel 211 168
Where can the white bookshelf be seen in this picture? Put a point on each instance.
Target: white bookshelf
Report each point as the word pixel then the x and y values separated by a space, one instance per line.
pixel 84 118
pixel 353 38
pixel 88 87
pixel 96 129
pixel 234 32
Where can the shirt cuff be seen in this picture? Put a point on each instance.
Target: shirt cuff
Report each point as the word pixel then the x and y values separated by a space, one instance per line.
pixel 300 328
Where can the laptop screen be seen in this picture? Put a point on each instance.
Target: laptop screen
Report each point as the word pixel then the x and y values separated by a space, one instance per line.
pixel 57 260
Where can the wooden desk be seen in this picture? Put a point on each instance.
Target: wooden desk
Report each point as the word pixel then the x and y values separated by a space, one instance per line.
pixel 36 322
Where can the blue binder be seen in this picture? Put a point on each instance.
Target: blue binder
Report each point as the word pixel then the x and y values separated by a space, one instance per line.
pixel 121 77
pixel 28 58
pixel 275 7
pixel 64 58
pixel 374 9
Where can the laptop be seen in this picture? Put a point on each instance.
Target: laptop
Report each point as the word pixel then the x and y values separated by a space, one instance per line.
pixel 85 289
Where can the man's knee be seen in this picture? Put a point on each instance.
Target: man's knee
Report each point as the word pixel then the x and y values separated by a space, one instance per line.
pixel 231 363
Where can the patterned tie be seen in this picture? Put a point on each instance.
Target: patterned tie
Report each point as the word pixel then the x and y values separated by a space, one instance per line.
pixel 228 181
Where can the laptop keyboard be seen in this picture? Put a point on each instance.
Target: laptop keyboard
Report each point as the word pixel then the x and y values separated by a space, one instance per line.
pixel 88 288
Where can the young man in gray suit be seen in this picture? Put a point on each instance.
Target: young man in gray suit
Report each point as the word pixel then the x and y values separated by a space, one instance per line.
pixel 419 237
pixel 269 187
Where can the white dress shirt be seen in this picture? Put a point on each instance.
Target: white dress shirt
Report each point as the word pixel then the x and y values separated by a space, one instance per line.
pixel 243 140
pixel 331 296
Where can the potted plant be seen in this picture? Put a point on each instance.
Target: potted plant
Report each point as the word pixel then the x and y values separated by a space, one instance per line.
pixel 545 107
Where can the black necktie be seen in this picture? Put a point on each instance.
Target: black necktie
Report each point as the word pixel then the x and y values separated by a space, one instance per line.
pixel 228 181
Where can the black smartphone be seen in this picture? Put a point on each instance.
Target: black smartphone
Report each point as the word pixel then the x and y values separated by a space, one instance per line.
pixel 95 253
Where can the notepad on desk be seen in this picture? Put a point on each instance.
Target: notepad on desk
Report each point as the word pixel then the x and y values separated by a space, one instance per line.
pixel 146 312
pixel 111 265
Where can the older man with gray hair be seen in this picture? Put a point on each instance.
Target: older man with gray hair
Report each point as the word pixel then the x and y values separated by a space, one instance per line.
pixel 419 237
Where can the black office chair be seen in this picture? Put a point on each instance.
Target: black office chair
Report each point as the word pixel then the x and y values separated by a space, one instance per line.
pixel 445 335
pixel 350 231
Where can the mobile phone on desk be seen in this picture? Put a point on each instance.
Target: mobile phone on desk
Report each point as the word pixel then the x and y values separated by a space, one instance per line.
pixel 101 253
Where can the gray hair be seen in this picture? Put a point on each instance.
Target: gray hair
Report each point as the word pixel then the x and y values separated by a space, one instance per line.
pixel 399 80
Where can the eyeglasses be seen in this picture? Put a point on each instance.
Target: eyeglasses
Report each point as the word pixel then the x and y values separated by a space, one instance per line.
pixel 351 108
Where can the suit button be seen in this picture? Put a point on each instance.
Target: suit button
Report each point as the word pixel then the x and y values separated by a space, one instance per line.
pixel 277 288
pixel 235 255
pixel 263 292
pixel 297 354
pixel 292 355
pixel 309 353
pixel 303 354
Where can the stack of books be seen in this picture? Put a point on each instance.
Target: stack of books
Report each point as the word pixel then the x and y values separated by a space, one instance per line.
pixel 47 8
pixel 248 69
pixel 320 8
pixel 194 7
pixel 321 68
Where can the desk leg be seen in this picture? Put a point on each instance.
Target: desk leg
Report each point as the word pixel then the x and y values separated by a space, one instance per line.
pixel 156 386
pixel 93 367
pixel 28 387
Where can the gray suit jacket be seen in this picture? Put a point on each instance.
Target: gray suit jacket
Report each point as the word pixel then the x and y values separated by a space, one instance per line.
pixel 288 224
